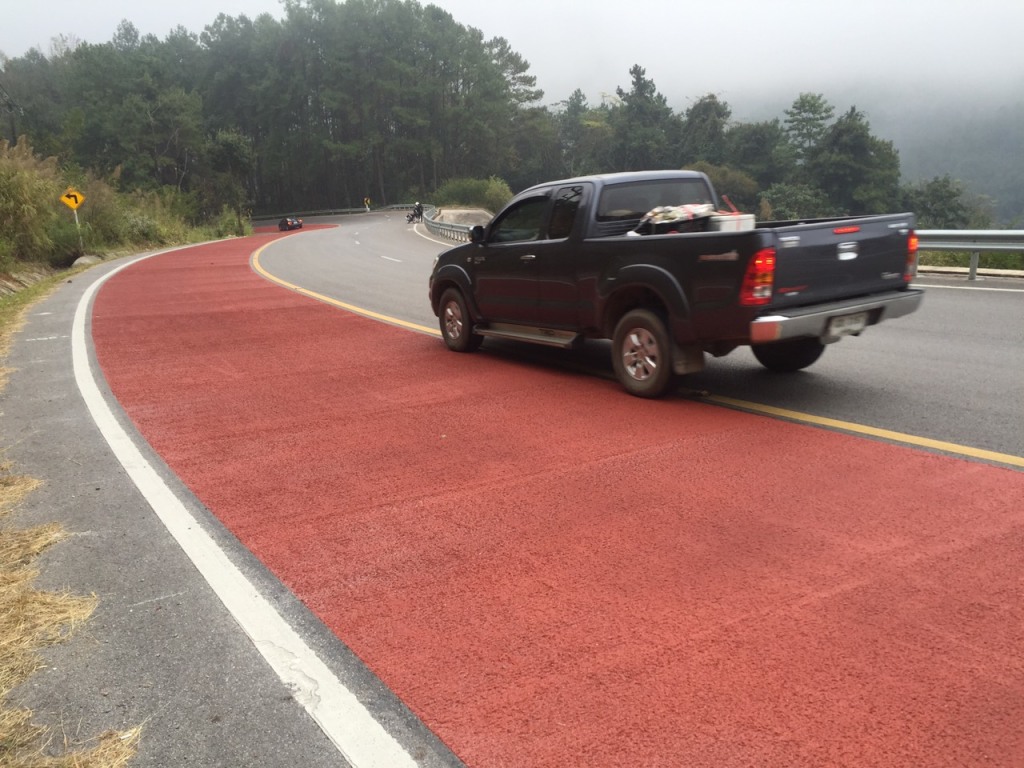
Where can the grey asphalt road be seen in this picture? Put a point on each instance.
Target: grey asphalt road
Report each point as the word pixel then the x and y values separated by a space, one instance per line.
pixel 161 651
pixel 953 371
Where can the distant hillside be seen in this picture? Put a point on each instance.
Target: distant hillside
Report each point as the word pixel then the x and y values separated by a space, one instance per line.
pixel 975 138
pixel 983 148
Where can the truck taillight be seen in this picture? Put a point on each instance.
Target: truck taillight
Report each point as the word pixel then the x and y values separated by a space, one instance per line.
pixel 759 279
pixel 910 270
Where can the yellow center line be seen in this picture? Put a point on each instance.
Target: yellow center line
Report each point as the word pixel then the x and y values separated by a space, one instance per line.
pixel 885 434
pixel 328 300
pixel 744 405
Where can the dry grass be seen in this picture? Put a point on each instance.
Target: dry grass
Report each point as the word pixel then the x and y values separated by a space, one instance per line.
pixel 31 619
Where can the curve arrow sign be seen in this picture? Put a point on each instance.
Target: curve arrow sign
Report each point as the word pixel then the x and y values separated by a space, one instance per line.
pixel 72 198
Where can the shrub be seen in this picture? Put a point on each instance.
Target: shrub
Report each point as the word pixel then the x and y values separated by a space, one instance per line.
pixel 30 191
pixel 102 217
pixel 986 260
pixel 229 224
pixel 65 243
pixel 490 194
pixel 141 229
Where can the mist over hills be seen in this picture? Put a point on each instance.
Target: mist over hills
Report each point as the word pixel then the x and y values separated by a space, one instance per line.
pixel 967 125
pixel 973 133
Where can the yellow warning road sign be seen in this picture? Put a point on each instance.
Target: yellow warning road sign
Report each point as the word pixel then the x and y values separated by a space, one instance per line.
pixel 72 198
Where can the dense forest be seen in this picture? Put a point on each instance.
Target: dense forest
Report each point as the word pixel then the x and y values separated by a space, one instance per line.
pixel 391 99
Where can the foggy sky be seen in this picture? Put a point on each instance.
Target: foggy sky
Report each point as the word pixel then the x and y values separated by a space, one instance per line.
pixel 751 53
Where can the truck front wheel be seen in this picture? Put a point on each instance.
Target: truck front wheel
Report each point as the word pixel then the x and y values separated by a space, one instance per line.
pixel 456 324
pixel 642 354
pixel 788 356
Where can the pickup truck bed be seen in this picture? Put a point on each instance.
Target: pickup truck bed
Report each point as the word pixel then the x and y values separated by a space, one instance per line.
pixel 562 263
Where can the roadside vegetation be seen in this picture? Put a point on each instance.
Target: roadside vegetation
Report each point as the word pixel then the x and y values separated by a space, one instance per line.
pixel 38 232
pixel 962 259
pixel 489 194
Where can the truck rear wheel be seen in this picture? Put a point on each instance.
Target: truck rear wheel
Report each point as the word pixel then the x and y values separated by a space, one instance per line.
pixel 642 354
pixel 788 356
pixel 456 324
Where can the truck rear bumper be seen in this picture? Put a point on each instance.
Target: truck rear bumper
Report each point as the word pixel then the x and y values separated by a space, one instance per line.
pixel 817 321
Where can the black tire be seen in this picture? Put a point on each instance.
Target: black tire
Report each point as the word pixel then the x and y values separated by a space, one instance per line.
pixel 642 354
pixel 788 356
pixel 456 323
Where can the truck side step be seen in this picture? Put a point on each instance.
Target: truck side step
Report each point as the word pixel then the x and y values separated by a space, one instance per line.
pixel 546 336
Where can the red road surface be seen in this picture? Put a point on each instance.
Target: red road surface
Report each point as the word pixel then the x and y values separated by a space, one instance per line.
pixel 552 573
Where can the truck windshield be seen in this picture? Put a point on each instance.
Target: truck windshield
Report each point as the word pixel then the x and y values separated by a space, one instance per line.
pixel 633 200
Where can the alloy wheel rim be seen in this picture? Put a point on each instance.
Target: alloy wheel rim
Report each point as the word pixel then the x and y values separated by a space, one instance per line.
pixel 453 321
pixel 640 354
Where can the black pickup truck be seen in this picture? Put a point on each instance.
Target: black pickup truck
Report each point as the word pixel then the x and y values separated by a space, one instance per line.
pixel 562 262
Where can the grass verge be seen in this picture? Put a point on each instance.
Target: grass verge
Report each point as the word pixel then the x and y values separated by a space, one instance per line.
pixel 31 619
pixel 988 259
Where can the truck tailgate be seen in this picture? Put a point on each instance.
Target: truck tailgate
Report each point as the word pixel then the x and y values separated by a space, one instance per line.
pixel 837 259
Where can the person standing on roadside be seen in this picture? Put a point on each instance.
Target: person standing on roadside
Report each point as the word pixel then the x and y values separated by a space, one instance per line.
pixel 366 204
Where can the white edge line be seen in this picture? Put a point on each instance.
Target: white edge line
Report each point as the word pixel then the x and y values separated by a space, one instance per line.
pixel 341 716
pixel 431 238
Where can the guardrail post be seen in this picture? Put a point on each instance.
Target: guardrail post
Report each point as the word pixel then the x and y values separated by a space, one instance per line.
pixel 973 274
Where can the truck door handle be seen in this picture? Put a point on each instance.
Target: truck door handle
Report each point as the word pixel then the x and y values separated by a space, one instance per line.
pixel 527 257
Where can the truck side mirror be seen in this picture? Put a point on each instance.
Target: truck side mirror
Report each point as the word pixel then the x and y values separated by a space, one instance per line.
pixel 476 234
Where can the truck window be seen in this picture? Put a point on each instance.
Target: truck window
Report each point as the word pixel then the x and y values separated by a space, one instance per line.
pixel 563 214
pixel 523 222
pixel 622 206
pixel 632 201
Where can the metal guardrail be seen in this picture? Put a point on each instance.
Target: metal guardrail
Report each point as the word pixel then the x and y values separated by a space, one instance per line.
pixel 973 240
pixel 458 233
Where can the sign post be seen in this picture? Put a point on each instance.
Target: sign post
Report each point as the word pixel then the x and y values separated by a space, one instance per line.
pixel 72 198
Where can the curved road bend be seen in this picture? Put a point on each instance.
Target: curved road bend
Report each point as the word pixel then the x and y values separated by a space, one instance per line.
pixel 666 583
pixel 948 374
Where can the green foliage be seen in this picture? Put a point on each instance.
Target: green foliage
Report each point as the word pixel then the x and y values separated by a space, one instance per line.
pixel 987 259
pixel 30 190
pixel 490 194
pixel 704 131
pixel 102 217
pixel 645 132
pixel 64 243
pixel 762 151
pixel 229 223
pixel 786 202
pixel 858 172
pixel 735 185
pixel 141 229
pixel 807 121
pixel 376 98
pixel 942 203
pixel 36 227
pixel 581 133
